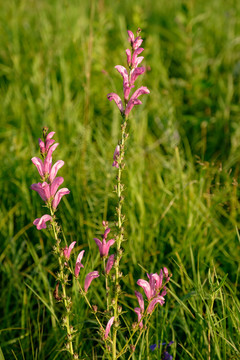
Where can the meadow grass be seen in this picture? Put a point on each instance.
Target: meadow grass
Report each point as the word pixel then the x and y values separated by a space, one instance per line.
pixel 182 167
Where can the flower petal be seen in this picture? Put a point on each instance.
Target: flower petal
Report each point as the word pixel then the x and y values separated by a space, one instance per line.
pixel 117 99
pixel 108 327
pixel 58 196
pixel 39 165
pixel 41 222
pixel 110 263
pixel 146 287
pixel 55 184
pixel 89 278
pixel 55 169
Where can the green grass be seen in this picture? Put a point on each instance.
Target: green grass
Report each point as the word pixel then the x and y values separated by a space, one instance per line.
pixel 182 168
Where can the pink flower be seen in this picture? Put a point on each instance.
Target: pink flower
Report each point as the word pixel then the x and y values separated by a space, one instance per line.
pixel 140 300
pixel 54 169
pixel 55 185
pixel 135 59
pixel 89 278
pixel 134 99
pixel 146 287
pixel 43 189
pixel 41 222
pixel 67 251
pixel 158 299
pixel 115 156
pixel 58 196
pixel 138 311
pixel 118 101
pixel 104 246
pixel 131 37
pixel 128 53
pixel 108 327
pixel 110 263
pixel 79 265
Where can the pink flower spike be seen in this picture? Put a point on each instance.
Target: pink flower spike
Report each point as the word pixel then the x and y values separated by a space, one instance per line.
pixel 118 101
pixel 146 287
pixel 79 265
pixel 89 278
pixel 110 263
pixel 50 135
pixel 67 251
pixel 108 327
pixel 39 165
pixel 128 53
pixel 58 196
pixel 140 300
pixel 55 169
pixel 131 37
pixel 41 222
pixel 159 299
pixel 55 184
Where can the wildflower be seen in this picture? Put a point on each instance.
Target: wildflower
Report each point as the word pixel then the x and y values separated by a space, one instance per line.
pixel 67 251
pixel 103 245
pixel 166 355
pixel 79 265
pixel 108 327
pixel 41 222
pixel 89 278
pixel 110 263
pixel 158 299
pixel 58 196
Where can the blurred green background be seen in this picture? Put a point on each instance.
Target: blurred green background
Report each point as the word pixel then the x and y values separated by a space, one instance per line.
pixel 57 63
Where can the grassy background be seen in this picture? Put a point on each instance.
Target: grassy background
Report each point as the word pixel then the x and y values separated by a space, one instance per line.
pixel 57 63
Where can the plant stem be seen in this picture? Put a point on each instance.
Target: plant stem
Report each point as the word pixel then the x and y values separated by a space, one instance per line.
pixel 120 236
pixel 66 301
pixel 106 283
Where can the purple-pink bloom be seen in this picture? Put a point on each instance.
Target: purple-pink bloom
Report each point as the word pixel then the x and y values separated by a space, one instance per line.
pixel 67 251
pixel 137 43
pixel 55 185
pixel 108 327
pixel 129 56
pixel 58 196
pixel 131 37
pixel 158 299
pixel 43 189
pixel 110 263
pixel 104 246
pixel 41 222
pixel 39 165
pixel 146 287
pixel 140 300
pixel 54 169
pixel 138 311
pixel 79 265
pixel 135 59
pixel 89 278
pixel 118 101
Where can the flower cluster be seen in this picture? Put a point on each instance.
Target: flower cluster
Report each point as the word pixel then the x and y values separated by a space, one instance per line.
pixel 129 77
pixel 89 277
pixel 166 355
pixel 155 290
pixel 48 188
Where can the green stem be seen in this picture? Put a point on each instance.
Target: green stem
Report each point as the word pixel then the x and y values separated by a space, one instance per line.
pixel 106 283
pixel 120 237
pixel 67 302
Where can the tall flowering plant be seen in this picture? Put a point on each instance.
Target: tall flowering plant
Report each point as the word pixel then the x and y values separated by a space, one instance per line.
pixel 154 287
